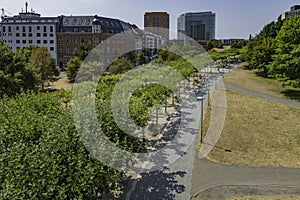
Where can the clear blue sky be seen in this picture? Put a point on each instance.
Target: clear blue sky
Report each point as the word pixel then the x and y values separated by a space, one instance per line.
pixel 235 18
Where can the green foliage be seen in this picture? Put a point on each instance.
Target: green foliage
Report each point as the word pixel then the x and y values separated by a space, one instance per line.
pixel 43 65
pixel 42 156
pixel 14 75
pixel 213 44
pixel 72 68
pixel 141 59
pixel 261 55
pixel 286 62
pixel 82 51
pixel 224 54
pixel 120 65
pixel 238 44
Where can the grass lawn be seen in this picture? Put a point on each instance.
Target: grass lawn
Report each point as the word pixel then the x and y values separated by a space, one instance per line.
pixel 62 83
pixel 259 132
pixel 283 197
pixel 251 80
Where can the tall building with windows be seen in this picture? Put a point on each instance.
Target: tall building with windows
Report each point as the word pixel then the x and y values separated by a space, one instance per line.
pixel 158 23
pixel 29 28
pixel 295 10
pixel 200 26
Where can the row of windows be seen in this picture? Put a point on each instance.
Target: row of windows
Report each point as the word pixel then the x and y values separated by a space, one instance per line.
pixel 78 22
pixel 29 28
pixel 37 35
pixel 51 48
pixel 38 41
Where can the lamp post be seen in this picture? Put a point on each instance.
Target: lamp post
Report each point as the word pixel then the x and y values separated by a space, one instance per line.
pixel 201 117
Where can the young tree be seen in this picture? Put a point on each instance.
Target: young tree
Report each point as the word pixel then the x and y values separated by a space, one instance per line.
pixel 83 51
pixel 72 68
pixel 120 65
pixel 43 65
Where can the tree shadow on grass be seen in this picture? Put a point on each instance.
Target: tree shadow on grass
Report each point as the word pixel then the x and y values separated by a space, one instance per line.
pixel 291 93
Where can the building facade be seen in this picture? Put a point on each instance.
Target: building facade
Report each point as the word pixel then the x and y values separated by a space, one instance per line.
pixel 91 31
pixel 158 23
pixel 295 10
pixel 29 28
pixel 199 26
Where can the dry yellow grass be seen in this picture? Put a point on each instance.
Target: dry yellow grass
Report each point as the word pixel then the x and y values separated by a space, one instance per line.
pixel 281 197
pixel 62 83
pixel 259 132
pixel 248 79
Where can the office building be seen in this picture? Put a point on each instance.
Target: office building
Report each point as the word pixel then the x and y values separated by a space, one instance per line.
pixel 199 26
pixel 29 28
pixel 158 23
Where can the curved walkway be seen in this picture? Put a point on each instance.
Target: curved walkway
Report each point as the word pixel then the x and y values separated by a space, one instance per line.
pixel 218 178
pixel 239 89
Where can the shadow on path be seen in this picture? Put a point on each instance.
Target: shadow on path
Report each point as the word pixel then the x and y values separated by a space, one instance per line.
pixel 155 185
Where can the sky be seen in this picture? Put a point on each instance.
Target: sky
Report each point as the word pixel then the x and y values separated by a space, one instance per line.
pixel 234 18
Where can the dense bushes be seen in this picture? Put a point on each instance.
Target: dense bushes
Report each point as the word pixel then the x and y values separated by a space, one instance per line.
pixel 41 154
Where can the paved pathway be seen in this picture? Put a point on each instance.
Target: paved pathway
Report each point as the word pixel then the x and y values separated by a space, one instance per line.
pixel 239 89
pixel 218 178
pixel 191 175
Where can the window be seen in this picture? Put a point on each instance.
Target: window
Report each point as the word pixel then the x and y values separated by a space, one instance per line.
pixel 51 35
pixel 45 34
pixel 17 28
pixel 38 41
pixel 66 21
pixel 18 41
pixel 51 48
pixel 38 35
pixel 51 41
pixel 23 34
pixel 45 28
pixel 75 40
pixel 87 22
pixel 74 21
pixel 82 40
pixel 38 28
pixel 68 40
pixel 24 29
pixel 80 22
pixel 30 42
pixel 17 34
pixel 3 30
pixel 45 42
pixel 30 29
pixel 51 29
pixel 29 34
pixel 68 50
pixel 9 29
pixel 24 41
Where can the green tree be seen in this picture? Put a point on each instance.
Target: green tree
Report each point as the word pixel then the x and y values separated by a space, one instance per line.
pixel 82 51
pixel 43 65
pixel 262 54
pixel 14 76
pixel 141 59
pixel 120 65
pixel 286 64
pixel 72 68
